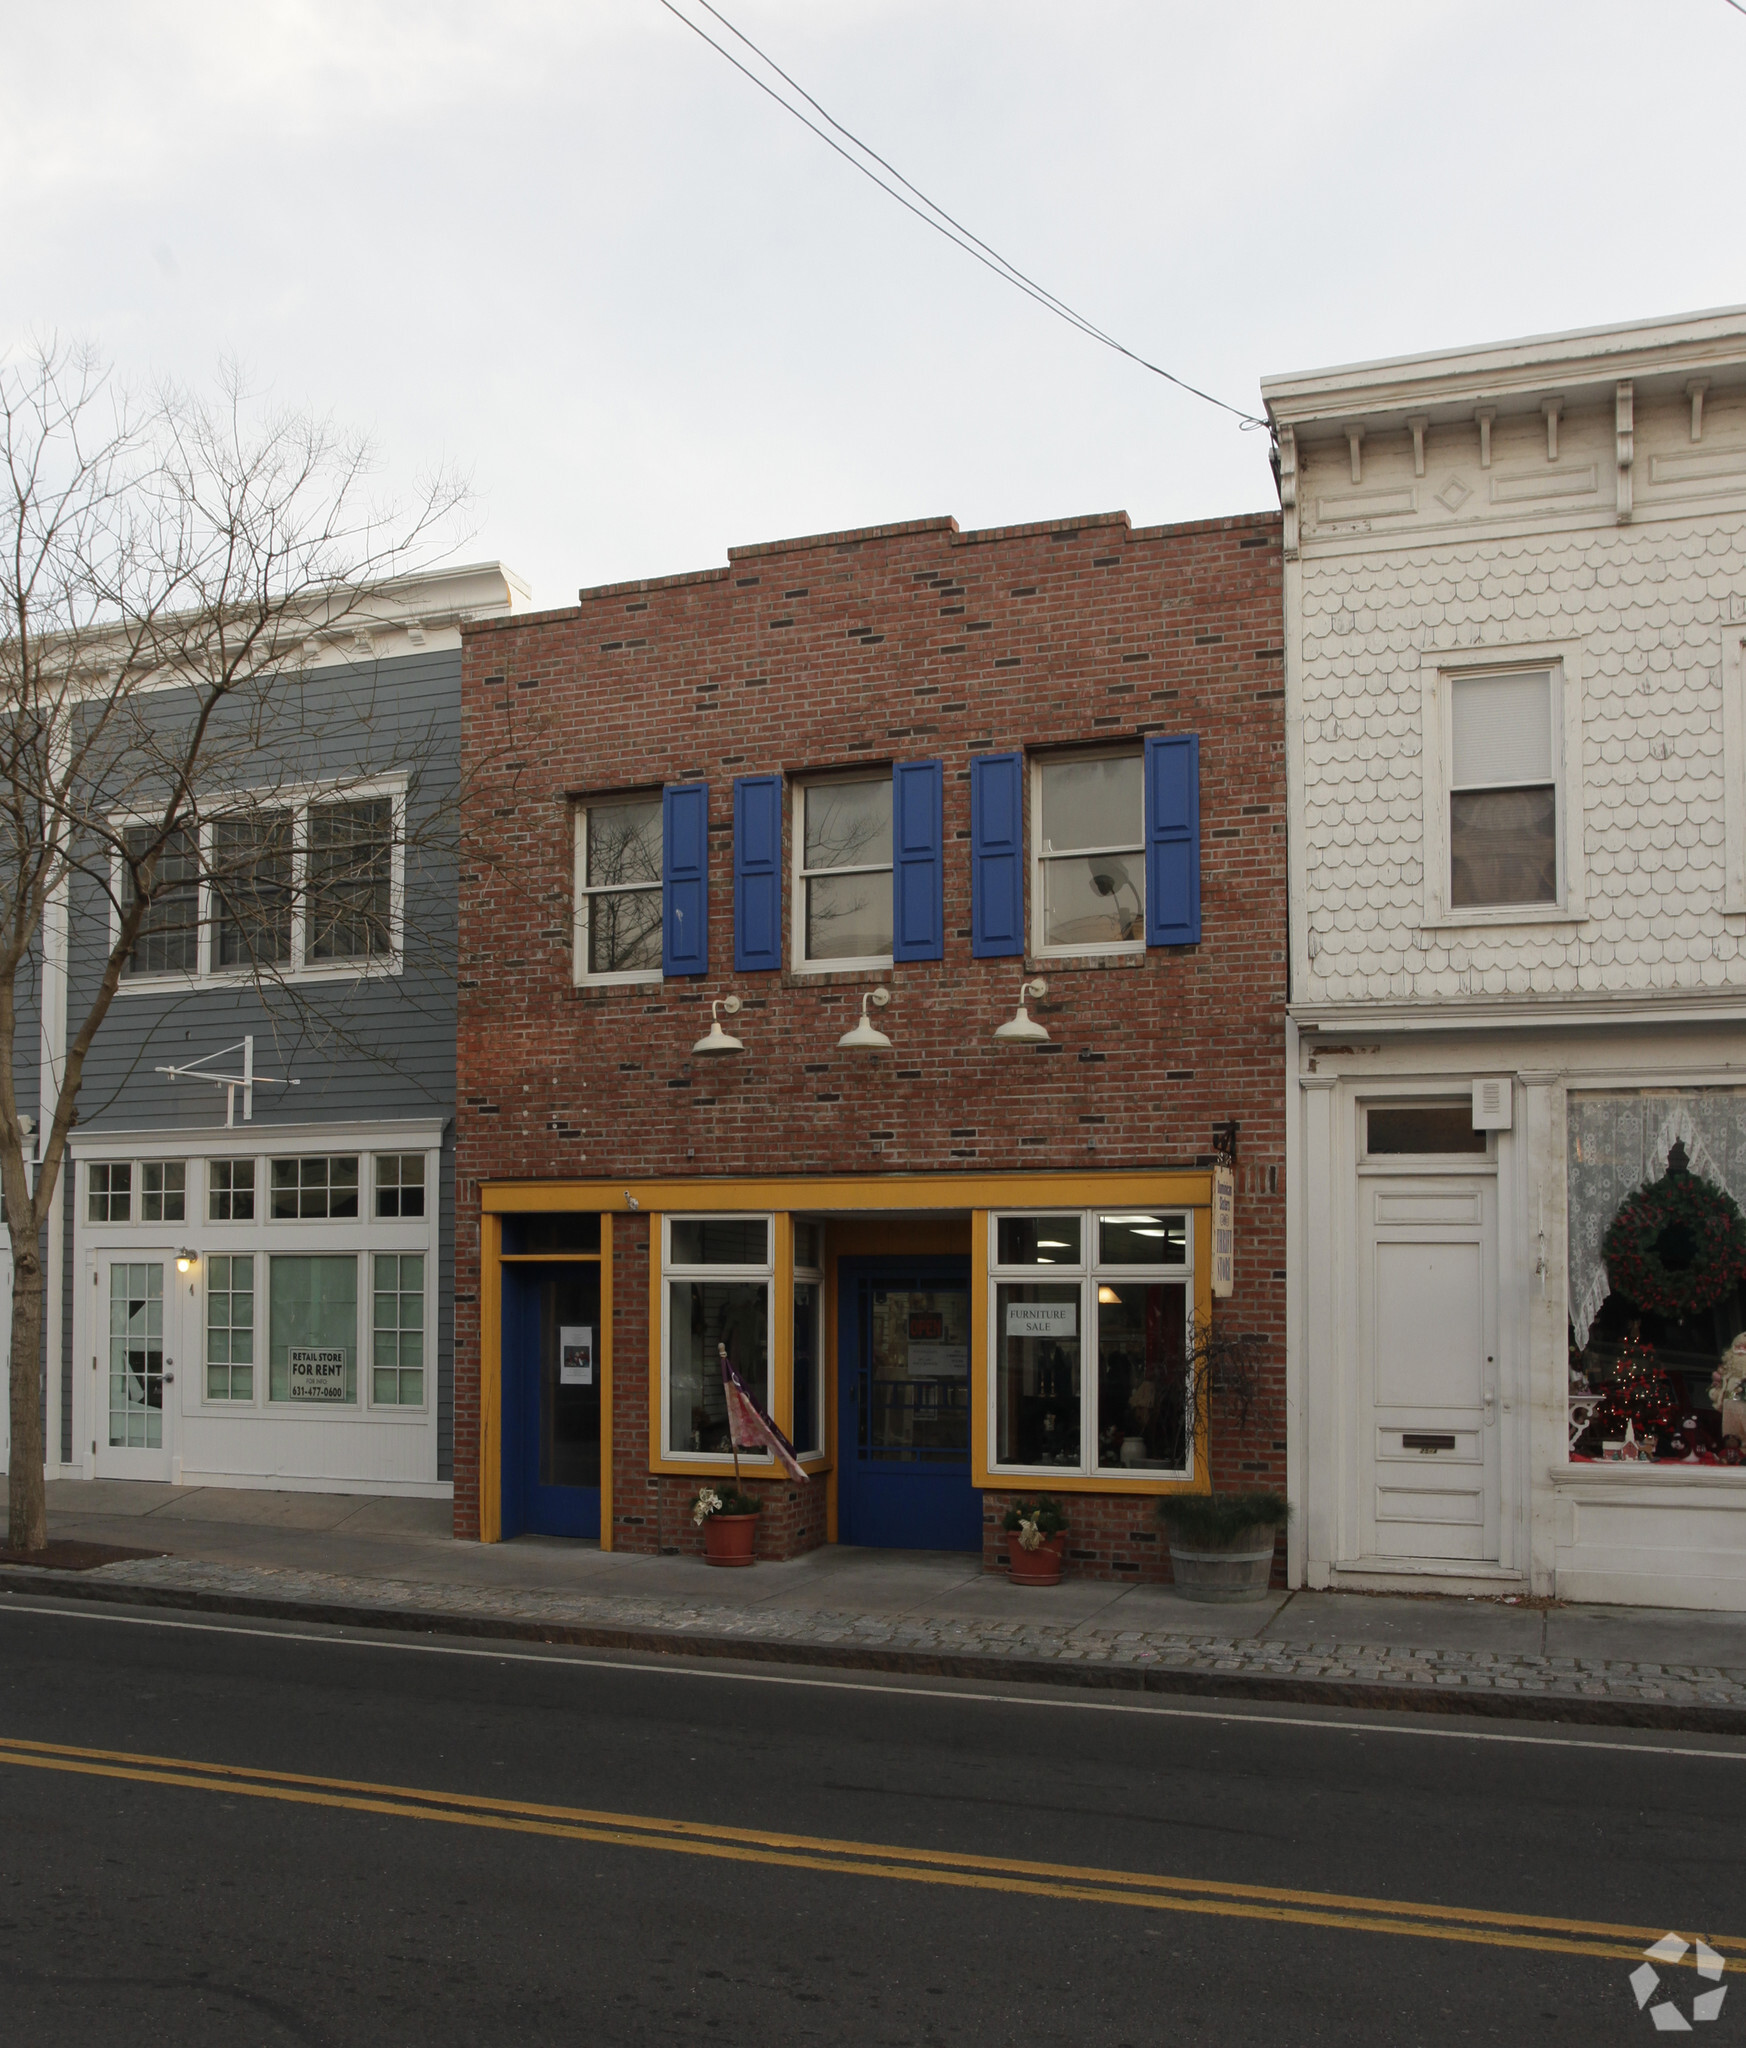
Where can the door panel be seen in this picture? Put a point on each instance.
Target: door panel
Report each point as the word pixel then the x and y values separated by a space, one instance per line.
pixel 1428 1434
pixel 903 1355
pixel 551 1399
pixel 134 1367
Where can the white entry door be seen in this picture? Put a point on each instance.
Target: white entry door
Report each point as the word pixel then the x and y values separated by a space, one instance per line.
pixel 133 1364
pixel 1428 1459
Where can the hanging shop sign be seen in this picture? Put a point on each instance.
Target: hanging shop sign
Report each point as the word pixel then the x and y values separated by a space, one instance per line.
pixel 316 1374
pixel 1042 1319
pixel 1224 1228
pixel 576 1354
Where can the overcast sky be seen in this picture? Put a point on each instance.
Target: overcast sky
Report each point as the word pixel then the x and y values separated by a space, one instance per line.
pixel 565 247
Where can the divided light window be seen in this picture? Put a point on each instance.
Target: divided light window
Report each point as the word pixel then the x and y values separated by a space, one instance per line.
pixel 163 1191
pixel 1503 792
pixel 618 889
pixel 230 1190
pixel 351 876
pixel 843 892
pixel 230 1329
pixel 1090 832
pixel 320 1187
pixel 251 890
pixel 397 1368
pixel 169 937
pixel 400 1184
pixel 109 1191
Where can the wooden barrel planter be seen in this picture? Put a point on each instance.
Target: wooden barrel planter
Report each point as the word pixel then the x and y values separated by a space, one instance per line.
pixel 1221 1544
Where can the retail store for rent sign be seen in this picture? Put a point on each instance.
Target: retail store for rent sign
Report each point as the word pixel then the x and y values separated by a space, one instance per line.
pixel 316 1375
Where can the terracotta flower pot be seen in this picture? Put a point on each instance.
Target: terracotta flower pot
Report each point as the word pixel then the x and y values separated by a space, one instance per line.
pixel 730 1539
pixel 1039 1567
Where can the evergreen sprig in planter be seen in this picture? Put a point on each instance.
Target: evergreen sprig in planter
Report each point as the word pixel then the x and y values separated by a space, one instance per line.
pixel 1221 1544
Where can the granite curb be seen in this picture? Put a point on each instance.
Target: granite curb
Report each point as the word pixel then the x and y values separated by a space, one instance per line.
pixel 1692 1716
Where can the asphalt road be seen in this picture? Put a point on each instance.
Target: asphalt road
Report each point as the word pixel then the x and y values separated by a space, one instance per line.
pixel 233 1833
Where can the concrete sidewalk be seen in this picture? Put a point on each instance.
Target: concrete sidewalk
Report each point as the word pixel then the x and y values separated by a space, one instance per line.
pixel 392 1564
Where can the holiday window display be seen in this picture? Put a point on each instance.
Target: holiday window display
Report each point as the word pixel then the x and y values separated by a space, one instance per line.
pixel 1675 1260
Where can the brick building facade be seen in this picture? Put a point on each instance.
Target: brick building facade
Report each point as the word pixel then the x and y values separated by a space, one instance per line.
pixel 909 759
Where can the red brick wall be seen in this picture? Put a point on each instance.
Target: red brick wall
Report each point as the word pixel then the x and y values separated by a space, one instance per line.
pixel 895 644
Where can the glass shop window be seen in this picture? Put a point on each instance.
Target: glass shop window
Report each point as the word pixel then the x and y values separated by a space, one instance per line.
pixel 230 1329
pixel 1090 1364
pixel 718 1280
pixel 313 1329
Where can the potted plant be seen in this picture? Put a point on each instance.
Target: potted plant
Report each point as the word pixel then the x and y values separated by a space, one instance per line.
pixel 729 1521
pixel 1221 1544
pixel 1036 1541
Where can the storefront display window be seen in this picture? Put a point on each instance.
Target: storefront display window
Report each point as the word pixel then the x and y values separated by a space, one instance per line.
pixel 313 1330
pixel 719 1277
pixel 1657 1277
pixel 397 1336
pixel 1132 1414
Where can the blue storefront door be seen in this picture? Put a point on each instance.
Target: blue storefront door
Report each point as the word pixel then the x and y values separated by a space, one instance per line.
pixel 551 1399
pixel 903 1405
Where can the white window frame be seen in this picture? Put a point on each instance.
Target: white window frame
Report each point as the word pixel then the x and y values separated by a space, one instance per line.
pixel 1733 667
pixel 263 1237
pixel 299 801
pixel 365 1190
pixel 163 1165
pixel 760 1461
pixel 581 893
pixel 1136 853
pixel 799 874
pixel 1441 671
pixel 1088 1272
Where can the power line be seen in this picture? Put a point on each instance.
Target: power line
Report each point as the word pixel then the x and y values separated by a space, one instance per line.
pixel 936 216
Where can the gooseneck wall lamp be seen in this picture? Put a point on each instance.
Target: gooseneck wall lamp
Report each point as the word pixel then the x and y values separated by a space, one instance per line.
pixel 866 1035
pixel 715 1039
pixel 1021 1028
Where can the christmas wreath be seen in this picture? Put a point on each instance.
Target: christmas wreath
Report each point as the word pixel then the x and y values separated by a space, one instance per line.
pixel 1678 1245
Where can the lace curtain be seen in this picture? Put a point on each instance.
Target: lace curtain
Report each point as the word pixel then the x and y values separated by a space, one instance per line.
pixel 1617 1142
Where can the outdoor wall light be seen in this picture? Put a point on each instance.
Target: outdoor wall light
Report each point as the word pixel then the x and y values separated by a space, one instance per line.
pixel 866 1035
pixel 715 1039
pixel 186 1260
pixel 1021 1028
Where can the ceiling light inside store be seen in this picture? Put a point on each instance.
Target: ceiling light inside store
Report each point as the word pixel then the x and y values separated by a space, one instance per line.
pixel 1109 1297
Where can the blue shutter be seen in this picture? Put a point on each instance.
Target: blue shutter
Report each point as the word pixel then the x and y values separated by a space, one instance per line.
pixel 685 878
pixel 757 873
pixel 1173 839
pixel 918 897
pixel 997 855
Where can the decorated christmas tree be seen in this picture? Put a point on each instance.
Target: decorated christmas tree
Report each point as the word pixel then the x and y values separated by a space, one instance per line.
pixel 1638 1396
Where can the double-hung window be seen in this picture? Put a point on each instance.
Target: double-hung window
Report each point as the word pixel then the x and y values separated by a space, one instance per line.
pixel 351 880
pixel 842 895
pixel 618 890
pixel 1089 833
pixel 718 1272
pixel 251 879
pixel 1091 1320
pixel 1503 790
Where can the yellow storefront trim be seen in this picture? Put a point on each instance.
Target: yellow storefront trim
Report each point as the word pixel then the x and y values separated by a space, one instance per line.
pixel 913 1191
pixel 490 1379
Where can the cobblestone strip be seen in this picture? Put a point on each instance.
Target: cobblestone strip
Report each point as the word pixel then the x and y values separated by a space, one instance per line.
pixel 1481 1672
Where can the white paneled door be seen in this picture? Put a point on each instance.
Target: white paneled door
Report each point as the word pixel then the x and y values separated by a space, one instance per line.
pixel 133 1365
pixel 1428 1383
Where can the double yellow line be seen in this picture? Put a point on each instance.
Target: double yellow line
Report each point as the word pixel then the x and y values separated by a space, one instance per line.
pixel 1539 1933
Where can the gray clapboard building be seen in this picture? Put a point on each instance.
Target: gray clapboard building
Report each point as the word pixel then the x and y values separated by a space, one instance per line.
pixel 251 1265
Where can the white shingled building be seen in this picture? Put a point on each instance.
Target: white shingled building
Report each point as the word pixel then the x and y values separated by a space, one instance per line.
pixel 1515 656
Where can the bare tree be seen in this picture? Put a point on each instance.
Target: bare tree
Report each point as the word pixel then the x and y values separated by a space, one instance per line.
pixel 170 567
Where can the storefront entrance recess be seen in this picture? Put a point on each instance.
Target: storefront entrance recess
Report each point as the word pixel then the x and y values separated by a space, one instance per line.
pixel 551 1399
pixel 903 1407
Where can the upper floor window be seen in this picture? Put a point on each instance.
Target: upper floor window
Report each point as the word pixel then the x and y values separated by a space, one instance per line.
pixel 163 1191
pixel 1089 836
pixel 169 935
pixel 305 886
pixel 843 872
pixel 320 1186
pixel 230 1190
pixel 618 890
pixel 1503 791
